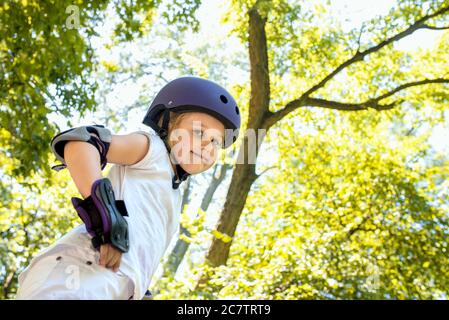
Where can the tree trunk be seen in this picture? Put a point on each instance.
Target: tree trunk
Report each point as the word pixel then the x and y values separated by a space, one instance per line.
pixel 242 179
pixel 8 283
pixel 186 194
pixel 244 174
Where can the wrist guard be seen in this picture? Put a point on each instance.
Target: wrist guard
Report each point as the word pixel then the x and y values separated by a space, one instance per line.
pixel 104 216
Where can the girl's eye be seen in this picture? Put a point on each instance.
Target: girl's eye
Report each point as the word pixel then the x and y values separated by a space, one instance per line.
pixel 216 143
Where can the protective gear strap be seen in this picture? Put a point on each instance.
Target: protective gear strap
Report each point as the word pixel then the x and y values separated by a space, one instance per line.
pixel 180 176
pixel 97 135
pixel 163 132
pixel 148 295
pixel 104 216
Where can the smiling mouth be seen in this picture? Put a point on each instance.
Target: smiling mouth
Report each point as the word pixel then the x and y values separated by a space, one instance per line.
pixel 203 158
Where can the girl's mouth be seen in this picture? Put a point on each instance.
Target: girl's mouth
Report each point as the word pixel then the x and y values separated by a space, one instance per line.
pixel 199 156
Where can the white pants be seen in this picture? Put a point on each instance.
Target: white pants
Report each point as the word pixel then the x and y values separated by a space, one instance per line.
pixel 64 275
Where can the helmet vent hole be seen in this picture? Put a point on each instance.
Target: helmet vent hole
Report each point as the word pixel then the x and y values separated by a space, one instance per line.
pixel 223 99
pixel 237 110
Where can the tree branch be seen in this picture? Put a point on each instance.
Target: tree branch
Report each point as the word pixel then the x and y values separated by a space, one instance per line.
pixel 360 38
pixel 371 103
pixel 273 117
pixel 435 28
pixel 265 170
pixel 359 56
pixel 412 84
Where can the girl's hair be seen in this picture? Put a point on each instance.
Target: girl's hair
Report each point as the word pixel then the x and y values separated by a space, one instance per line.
pixel 175 118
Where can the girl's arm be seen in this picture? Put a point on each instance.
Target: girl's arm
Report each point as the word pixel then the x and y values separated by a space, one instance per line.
pixel 83 159
pixel 127 149
pixel 83 162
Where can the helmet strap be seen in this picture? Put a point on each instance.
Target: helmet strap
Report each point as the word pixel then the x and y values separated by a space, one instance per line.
pixel 163 130
pixel 180 174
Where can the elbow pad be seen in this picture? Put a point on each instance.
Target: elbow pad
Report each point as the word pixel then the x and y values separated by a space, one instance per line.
pixel 97 135
pixel 104 216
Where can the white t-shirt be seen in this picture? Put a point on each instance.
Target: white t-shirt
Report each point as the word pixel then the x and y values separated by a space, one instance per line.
pixel 153 207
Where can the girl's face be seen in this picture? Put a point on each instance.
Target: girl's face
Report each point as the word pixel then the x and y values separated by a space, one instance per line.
pixel 195 141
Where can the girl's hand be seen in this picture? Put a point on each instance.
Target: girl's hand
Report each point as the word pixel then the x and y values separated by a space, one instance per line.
pixel 110 257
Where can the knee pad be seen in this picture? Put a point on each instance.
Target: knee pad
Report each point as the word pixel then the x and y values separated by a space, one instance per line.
pixel 104 216
pixel 97 135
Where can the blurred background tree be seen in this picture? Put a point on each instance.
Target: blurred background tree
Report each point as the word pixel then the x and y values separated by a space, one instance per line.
pixel 348 198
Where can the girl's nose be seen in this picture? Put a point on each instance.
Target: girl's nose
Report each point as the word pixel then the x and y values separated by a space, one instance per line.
pixel 205 142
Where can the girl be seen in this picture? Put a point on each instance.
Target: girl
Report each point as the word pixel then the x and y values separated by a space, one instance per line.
pixel 192 118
